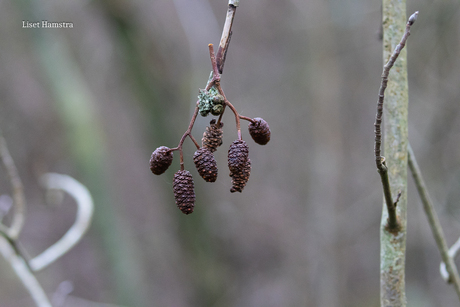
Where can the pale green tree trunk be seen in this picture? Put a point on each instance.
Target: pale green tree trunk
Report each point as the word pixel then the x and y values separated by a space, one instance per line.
pixel 393 246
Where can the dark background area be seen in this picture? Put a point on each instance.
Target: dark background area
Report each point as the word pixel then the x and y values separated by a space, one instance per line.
pixel 94 101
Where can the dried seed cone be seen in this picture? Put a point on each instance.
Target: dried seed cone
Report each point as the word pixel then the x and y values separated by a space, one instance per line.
pixel 241 177
pixel 184 191
pixel 206 164
pixel 237 155
pixel 212 137
pixel 160 160
pixel 259 131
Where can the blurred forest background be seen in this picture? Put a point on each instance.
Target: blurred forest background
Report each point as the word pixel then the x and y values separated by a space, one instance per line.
pixel 94 101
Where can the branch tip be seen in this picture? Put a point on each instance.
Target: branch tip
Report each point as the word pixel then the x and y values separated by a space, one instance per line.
pixel 412 18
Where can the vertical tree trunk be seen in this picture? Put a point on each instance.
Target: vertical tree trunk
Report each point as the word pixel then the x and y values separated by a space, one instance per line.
pixel 393 246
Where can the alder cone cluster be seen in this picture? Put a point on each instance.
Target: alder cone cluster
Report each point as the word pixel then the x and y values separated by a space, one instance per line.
pixel 237 155
pixel 212 137
pixel 259 131
pixel 184 191
pixel 160 160
pixel 240 177
pixel 206 164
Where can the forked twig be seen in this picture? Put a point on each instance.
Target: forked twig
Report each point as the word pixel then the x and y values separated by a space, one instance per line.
pixel 393 223
pixel 216 83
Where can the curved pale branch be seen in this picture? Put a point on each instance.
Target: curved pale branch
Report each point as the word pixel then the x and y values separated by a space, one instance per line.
pixel 82 222
pixel 19 202
pixel 25 275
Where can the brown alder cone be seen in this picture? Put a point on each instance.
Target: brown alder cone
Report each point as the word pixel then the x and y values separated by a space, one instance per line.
pixel 212 137
pixel 259 131
pixel 241 177
pixel 237 155
pixel 160 160
pixel 184 191
pixel 206 164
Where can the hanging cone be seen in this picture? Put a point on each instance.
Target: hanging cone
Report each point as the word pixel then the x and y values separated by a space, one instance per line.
pixel 206 164
pixel 160 160
pixel 212 137
pixel 241 177
pixel 184 191
pixel 237 155
pixel 259 131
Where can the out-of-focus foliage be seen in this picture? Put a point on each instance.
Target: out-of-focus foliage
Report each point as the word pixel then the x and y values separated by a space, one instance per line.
pixel 94 101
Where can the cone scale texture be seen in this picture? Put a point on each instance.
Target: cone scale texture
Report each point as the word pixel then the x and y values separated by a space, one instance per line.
pixel 184 191
pixel 240 177
pixel 237 155
pixel 212 137
pixel 206 164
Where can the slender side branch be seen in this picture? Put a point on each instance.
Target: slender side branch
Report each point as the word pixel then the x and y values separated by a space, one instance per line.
pixel 19 202
pixel 216 82
pixel 82 222
pixel 194 141
pixel 187 133
pixel 247 118
pixel 237 116
pixel 215 69
pixel 393 224
pixel 433 220
pixel 226 34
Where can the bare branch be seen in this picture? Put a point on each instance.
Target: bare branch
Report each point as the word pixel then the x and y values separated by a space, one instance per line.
pixel 82 222
pixel 433 220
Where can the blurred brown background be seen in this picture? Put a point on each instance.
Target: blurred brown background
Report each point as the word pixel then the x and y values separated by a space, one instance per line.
pixel 94 101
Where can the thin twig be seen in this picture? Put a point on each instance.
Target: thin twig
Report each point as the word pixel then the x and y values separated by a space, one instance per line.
pixel 21 269
pixel 19 202
pixel 433 220
pixel 216 83
pixel 226 34
pixel 187 133
pixel 248 119
pixel 194 141
pixel 393 223
pixel 235 112
pixel 215 70
pixel 82 222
